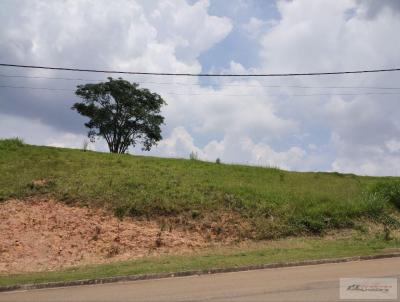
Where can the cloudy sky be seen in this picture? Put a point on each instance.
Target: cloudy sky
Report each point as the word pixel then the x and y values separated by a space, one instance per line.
pixel 260 121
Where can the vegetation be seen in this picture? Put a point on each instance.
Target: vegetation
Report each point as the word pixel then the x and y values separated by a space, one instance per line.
pixel 294 249
pixel 262 202
pixel 121 113
pixel 389 191
pixel 193 156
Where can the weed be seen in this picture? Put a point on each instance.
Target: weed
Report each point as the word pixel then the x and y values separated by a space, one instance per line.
pixel 134 211
pixel 119 212
pixel 11 144
pixel 85 145
pixel 41 186
pixel 97 231
pixel 195 214
pixel 113 251
pixel 159 241
pixel 193 156
pixel 387 233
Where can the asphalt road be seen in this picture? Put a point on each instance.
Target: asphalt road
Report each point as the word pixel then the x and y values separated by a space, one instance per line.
pixel 304 283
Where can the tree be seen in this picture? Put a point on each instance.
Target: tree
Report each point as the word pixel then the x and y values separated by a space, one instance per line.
pixel 122 113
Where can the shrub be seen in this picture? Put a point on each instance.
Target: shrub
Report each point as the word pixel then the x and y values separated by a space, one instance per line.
pixel 375 205
pixel 389 190
pixel 217 161
pixel 195 214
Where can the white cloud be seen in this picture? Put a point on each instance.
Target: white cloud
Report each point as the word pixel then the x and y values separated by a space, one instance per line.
pixel 179 144
pixel 238 120
pixel 254 27
pixel 393 145
pixel 231 149
pixel 156 36
pixel 374 165
pixel 315 35
pixel 35 132
pixel 118 35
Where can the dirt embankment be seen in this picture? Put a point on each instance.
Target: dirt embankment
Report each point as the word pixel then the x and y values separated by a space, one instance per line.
pixel 37 235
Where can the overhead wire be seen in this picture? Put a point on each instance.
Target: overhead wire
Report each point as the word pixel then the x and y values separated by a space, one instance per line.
pixel 202 74
pixel 212 84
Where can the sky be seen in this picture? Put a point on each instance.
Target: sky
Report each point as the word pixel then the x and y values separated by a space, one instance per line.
pixel 344 123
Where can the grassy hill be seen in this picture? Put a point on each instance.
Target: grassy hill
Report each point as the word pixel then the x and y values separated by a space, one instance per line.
pixel 256 202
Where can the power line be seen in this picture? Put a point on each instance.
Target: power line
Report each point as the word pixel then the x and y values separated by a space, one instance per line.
pixel 222 94
pixel 202 74
pixel 209 84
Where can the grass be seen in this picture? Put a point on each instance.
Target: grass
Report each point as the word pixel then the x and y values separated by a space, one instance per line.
pixel 273 202
pixel 292 249
pixel 276 203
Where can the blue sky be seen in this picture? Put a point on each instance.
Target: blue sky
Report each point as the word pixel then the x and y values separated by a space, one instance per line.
pixel 240 120
pixel 237 46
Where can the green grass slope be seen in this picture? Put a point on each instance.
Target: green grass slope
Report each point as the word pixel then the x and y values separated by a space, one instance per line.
pixel 272 202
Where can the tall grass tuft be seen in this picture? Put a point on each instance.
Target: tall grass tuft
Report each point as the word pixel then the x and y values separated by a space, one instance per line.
pixel 193 156
pixel 388 190
pixel 11 143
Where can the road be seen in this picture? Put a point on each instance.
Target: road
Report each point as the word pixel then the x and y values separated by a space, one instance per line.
pixel 304 283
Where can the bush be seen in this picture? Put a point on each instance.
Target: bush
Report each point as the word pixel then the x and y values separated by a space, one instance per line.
pixel 217 161
pixel 376 201
pixel 389 191
pixel 313 225
pixel 135 211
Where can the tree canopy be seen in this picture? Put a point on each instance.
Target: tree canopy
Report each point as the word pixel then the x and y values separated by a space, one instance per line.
pixel 122 113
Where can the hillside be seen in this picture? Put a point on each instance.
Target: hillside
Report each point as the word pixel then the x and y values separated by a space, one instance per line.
pixel 232 200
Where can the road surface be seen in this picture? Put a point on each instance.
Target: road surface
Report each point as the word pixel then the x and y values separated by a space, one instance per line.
pixel 304 283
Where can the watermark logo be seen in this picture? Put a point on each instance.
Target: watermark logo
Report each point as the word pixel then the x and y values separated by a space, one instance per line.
pixel 368 288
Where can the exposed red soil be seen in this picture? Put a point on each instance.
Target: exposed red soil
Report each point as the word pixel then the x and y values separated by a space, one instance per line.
pixel 37 235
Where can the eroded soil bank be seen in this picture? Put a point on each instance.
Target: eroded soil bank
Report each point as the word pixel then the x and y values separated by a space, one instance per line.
pixel 42 234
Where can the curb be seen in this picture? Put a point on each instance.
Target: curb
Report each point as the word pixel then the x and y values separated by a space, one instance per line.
pixel 190 273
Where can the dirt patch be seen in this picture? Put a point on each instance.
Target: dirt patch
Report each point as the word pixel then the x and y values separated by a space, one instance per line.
pixel 37 235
